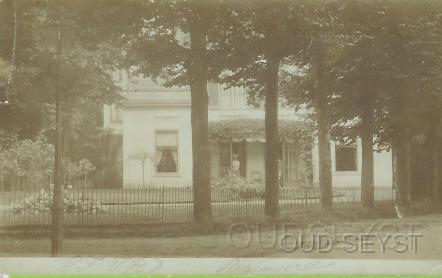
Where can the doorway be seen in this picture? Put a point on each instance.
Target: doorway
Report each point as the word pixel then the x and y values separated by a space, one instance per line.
pixel 227 152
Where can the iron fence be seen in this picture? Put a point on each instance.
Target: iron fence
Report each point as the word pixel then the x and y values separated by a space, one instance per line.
pixel 160 205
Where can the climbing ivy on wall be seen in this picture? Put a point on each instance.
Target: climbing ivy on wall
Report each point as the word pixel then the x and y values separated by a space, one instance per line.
pixel 253 129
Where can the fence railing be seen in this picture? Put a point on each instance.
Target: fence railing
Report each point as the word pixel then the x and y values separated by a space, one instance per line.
pixel 160 205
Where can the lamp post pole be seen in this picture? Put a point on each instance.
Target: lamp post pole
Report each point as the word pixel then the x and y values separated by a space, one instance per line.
pixel 57 203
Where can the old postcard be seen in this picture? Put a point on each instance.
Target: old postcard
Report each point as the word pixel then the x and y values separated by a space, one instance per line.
pixel 221 136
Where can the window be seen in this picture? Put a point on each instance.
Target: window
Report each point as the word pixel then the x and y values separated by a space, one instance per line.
pixel 134 84
pixel 233 97
pixel 115 111
pixel 166 151
pixel 346 158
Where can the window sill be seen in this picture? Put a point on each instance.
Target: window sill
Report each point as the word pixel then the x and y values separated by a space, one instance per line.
pixel 162 175
pixel 347 173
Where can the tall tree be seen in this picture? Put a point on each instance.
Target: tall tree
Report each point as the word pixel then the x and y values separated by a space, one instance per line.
pixel 321 106
pixel 414 56
pixel 176 41
pixel 311 85
pixel 260 36
pixel 360 77
pixel 59 58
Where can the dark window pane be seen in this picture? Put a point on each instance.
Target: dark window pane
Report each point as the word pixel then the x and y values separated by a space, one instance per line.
pixel 346 158
pixel 167 161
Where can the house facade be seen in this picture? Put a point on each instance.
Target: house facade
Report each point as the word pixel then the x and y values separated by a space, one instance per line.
pixel 154 125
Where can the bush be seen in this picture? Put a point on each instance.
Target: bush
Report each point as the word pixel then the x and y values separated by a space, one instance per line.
pixel 29 160
pixel 237 188
pixel 42 203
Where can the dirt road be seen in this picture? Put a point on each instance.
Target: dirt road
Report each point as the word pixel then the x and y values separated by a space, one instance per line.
pixel 417 237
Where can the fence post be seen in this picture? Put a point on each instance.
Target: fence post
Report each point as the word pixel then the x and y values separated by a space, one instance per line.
pixel 82 204
pixel 246 200
pixel 354 201
pixel 162 206
pixel 303 199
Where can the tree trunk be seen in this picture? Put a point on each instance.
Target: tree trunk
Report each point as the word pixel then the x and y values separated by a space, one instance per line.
pixel 57 204
pixel 439 168
pixel 322 112
pixel 401 144
pixel 394 168
pixel 325 172
pixel 434 182
pixel 198 71
pixel 272 140
pixel 367 174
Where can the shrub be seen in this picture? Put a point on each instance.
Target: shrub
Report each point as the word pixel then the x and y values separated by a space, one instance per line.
pixel 73 170
pixel 42 203
pixel 237 188
pixel 29 160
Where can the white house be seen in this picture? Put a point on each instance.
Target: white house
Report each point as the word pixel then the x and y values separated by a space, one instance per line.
pixel 155 126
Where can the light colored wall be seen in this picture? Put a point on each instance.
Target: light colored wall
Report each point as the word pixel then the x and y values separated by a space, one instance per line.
pixel 214 161
pixel 139 133
pixel 382 169
pixel 152 107
pixel 139 129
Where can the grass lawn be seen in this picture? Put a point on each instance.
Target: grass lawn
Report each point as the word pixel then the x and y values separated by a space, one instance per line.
pixel 220 245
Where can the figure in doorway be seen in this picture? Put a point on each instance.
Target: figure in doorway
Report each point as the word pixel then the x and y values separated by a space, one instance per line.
pixel 235 165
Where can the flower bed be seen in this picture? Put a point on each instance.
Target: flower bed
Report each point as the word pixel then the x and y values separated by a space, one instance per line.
pixel 42 203
pixel 236 188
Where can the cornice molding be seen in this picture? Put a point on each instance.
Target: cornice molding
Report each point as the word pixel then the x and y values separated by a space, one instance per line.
pixel 156 103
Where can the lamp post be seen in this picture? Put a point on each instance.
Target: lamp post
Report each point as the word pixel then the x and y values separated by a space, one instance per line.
pixel 4 87
pixel 57 202
pixel 59 38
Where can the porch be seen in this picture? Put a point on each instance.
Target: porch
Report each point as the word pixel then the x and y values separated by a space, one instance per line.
pixel 237 147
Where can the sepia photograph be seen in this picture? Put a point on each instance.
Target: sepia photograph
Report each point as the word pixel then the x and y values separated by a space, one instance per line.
pixel 238 129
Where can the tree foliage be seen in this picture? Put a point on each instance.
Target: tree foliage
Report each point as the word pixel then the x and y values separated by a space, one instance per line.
pixel 88 59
